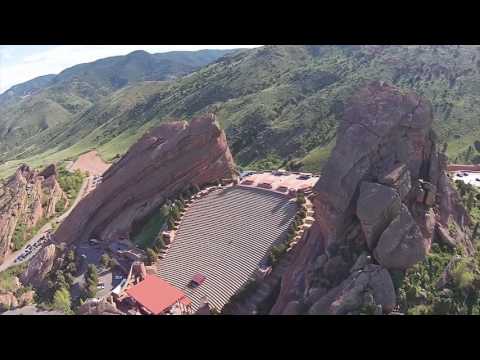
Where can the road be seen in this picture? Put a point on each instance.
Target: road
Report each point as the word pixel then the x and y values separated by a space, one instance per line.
pixel 9 261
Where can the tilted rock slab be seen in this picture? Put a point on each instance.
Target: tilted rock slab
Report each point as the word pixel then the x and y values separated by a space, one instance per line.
pixel 402 244
pixel 39 266
pixel 349 295
pixel 377 206
pixel 165 161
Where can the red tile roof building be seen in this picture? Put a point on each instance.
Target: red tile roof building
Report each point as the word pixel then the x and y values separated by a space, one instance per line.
pixel 157 296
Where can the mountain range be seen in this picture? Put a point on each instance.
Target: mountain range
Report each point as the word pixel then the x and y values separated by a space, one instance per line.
pixel 279 105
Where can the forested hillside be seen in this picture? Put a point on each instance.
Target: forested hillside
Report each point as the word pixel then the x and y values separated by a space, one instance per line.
pixel 279 105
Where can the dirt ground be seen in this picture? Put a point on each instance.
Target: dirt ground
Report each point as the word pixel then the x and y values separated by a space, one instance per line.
pixel 90 162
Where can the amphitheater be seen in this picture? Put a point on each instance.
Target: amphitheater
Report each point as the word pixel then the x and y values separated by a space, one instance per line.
pixel 225 236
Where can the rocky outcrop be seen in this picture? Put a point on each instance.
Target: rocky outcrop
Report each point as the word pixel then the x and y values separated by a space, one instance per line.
pixel 95 307
pixel 377 206
pixel 39 266
pixel 27 298
pixel 383 190
pixel 25 199
pixel 351 294
pixel 8 301
pixel 167 160
pixel 402 244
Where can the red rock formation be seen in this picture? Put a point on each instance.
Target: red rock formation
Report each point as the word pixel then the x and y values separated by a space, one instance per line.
pixel 26 198
pixel 383 191
pixel 167 160
pixel 40 266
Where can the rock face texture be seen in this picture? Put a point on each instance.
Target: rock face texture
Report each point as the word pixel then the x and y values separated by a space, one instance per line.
pixel 40 266
pixel 25 199
pixel 383 192
pixel 8 301
pixel 103 307
pixel 167 160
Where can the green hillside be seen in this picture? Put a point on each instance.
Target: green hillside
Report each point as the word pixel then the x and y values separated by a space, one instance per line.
pixel 278 104
pixel 32 114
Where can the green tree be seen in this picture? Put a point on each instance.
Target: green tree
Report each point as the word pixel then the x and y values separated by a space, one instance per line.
pixel 70 256
pixel 171 223
pixel 105 260
pixel 151 256
pixel 159 243
pixel 165 210
pixel 91 275
pixel 62 300
pixel 113 263
pixel 470 201
pixel 91 291
pixel 475 231
pixel 71 268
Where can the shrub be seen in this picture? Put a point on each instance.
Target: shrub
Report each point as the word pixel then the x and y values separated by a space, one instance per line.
pixel 420 310
pixel 462 276
pixel 60 205
pixel 151 256
pixel 62 300
pixel 105 260
pixel 91 275
pixel 165 210
pixel 276 252
pixel 159 243
pixel 113 263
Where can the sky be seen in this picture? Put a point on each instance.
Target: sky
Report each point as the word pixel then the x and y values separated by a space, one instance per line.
pixel 20 63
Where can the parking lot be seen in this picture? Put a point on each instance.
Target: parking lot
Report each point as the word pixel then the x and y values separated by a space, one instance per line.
pixel 91 253
pixel 468 177
pixel 33 247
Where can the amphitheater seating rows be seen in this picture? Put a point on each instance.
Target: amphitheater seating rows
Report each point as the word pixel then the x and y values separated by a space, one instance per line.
pixel 225 236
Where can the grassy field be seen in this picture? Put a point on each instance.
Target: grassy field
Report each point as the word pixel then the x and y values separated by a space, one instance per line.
pixel 147 234
pixel 317 158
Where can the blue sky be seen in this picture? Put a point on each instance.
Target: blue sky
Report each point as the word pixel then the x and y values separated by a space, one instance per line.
pixel 20 63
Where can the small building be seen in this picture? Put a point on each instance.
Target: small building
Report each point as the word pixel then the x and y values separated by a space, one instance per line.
pixel 167 237
pixel 265 185
pixel 280 172
pixel 155 296
pixel 247 182
pixel 197 280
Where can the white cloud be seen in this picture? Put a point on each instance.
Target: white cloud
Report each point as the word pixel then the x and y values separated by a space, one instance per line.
pixel 54 59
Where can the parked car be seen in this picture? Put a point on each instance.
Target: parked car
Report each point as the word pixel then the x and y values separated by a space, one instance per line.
pixel 303 177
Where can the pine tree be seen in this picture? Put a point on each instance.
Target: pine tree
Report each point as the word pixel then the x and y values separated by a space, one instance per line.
pixel 470 201
pixel 475 230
